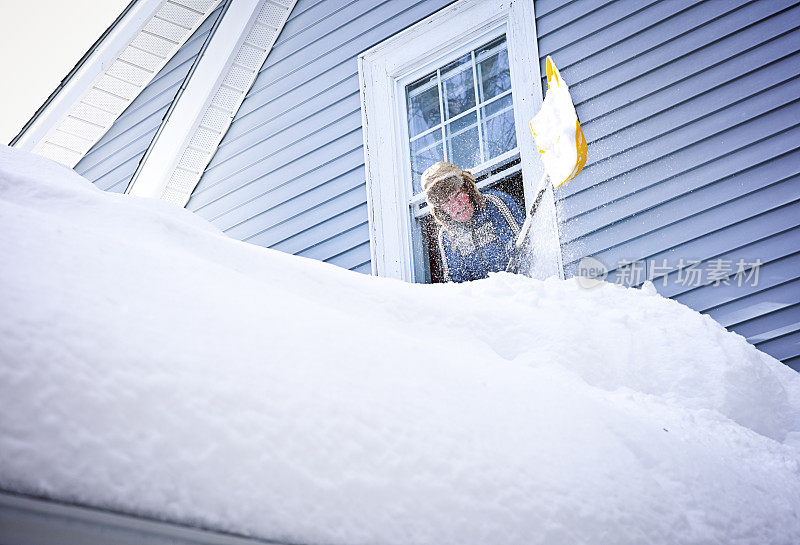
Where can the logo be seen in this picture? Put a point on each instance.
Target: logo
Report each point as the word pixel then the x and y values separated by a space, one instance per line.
pixel 591 273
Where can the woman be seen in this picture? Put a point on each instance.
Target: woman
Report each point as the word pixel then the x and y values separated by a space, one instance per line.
pixel 476 230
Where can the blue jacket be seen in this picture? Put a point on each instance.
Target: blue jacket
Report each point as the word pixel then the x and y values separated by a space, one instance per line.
pixel 485 243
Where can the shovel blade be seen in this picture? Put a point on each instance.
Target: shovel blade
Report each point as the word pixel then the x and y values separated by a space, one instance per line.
pixel 557 131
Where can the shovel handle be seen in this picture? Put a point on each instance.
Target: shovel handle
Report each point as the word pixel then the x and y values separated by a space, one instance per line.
pixel 526 225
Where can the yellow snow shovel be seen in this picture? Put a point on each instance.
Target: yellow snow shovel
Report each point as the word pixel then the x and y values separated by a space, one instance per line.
pixel 558 135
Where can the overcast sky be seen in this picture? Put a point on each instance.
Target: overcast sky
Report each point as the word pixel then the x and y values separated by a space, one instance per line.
pixel 40 41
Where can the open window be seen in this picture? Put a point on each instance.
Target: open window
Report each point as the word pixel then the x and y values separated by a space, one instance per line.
pixel 459 86
pixel 463 113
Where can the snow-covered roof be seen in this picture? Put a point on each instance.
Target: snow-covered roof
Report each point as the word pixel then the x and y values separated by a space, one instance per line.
pixel 155 367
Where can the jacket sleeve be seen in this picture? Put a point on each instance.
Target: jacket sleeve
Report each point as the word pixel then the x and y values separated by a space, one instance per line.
pixel 509 219
pixel 453 265
pixel 507 208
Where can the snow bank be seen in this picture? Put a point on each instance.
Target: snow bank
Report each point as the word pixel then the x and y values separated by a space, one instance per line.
pixel 151 365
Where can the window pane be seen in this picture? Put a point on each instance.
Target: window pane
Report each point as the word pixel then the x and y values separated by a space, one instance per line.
pixel 449 95
pixel 493 72
pixel 462 141
pixel 499 134
pixel 458 87
pixel 422 100
pixel 425 151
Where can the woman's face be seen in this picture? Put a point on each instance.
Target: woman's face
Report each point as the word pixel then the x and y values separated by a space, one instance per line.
pixel 459 206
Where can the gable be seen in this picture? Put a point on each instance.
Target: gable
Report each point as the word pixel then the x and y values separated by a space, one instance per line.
pixel 111 162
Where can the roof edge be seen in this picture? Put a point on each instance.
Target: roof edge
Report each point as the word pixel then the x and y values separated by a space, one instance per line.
pixel 209 99
pixel 115 70
pixel 56 522
pixel 72 72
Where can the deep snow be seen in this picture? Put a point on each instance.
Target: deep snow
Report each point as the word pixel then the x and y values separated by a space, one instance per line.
pixel 151 365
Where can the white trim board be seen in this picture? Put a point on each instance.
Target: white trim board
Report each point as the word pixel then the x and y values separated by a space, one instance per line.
pixel 382 69
pixel 111 77
pixel 205 107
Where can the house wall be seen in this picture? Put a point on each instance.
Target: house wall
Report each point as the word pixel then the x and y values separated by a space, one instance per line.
pixel 690 109
pixel 692 116
pixel 289 173
pixel 112 161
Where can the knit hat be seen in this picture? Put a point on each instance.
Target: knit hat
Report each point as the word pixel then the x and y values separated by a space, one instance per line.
pixel 440 181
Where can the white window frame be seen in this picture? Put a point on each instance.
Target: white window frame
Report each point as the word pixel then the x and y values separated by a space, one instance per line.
pixel 383 72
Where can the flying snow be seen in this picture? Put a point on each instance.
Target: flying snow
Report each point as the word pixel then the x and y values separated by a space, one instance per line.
pixel 151 365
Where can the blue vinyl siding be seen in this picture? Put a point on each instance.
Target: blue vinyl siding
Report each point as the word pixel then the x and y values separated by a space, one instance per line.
pixel 111 162
pixel 692 113
pixel 289 173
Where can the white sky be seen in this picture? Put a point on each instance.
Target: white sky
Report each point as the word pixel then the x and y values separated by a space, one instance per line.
pixel 40 41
